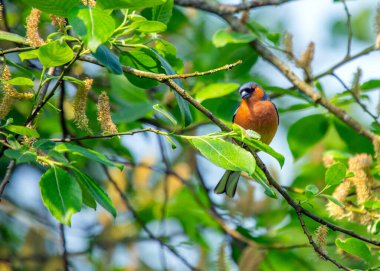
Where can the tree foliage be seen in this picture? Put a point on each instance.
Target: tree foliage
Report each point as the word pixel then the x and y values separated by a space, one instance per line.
pixel 120 106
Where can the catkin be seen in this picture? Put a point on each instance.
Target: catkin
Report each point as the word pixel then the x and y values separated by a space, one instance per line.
pixel 32 34
pixel 104 114
pixel 80 99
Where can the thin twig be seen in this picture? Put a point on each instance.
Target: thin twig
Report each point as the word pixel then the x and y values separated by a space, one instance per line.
pixel 228 9
pixel 349 28
pixel 7 177
pixel 141 222
pixel 64 254
pixel 363 106
pixel 89 137
pixel 344 61
pixel 16 50
pixel 315 246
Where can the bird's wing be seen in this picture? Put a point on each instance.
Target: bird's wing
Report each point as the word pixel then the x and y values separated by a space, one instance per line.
pixel 233 117
pixel 278 117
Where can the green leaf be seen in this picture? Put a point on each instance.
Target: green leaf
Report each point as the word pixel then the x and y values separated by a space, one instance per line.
pixel 44 144
pixel 333 200
pixel 141 59
pixel 22 130
pixel 21 81
pixel 335 174
pixel 257 144
pixel 23 155
pixel 61 194
pixel 372 204
pixel 182 104
pixel 355 143
pixel 128 4
pixel 159 108
pixel 311 190
pixel 93 25
pixel 215 91
pixel 88 153
pixel 163 13
pixel 375 228
pixel 108 59
pixel 28 54
pixel 87 198
pixel 223 37
pixel 224 154
pixel 12 37
pixel 96 191
pixel 260 177
pixel 54 54
pixel 370 85
pixel 149 26
pixel 355 247
pixel 305 133
pixel 60 8
pixel 169 52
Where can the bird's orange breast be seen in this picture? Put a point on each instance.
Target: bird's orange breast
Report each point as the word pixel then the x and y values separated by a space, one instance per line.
pixel 260 116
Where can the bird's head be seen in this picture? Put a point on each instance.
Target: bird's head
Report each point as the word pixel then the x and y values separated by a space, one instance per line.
pixel 253 91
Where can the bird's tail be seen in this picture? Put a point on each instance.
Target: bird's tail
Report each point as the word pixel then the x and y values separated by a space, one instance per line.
pixel 228 183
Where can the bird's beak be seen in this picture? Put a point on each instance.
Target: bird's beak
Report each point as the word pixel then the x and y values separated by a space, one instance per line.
pixel 245 94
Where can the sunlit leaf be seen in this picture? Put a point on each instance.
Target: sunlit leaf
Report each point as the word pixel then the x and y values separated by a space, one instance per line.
pixel 224 154
pixel 21 81
pixel 60 8
pixel 54 54
pixel 355 247
pixel 22 130
pixel 12 37
pixel 61 194
pixel 222 37
pixel 93 25
pixel 163 12
pixel 215 91
pixel 335 174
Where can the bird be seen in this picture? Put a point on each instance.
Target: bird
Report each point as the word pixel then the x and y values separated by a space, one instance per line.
pixel 256 112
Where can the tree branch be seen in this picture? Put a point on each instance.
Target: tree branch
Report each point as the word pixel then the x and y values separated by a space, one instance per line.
pixel 228 9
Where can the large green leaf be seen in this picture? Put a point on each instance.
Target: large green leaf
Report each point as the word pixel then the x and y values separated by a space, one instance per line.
pixel 144 60
pixel 12 37
pixel 335 174
pixel 305 133
pixel 55 7
pixel 169 52
pixel 222 37
pixel 370 85
pixel 215 91
pixel 355 143
pixel 224 154
pixel 96 191
pixel 21 81
pixel 88 153
pixel 22 155
pixel 61 194
pixel 355 247
pixel 163 12
pixel 54 54
pixel 149 26
pixel 93 25
pixel 108 59
pixel 22 130
pixel 128 4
